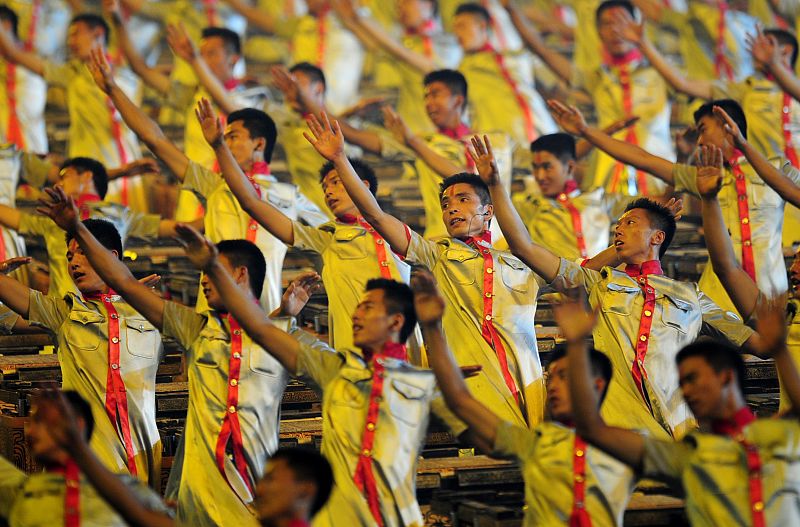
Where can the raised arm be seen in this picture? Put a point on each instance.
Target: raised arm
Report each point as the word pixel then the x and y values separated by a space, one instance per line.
pixel 576 321
pixel 10 217
pixel 571 121
pixel 13 293
pixel 554 60
pixel 328 140
pixel 766 53
pixel 62 210
pixel 771 325
pixel 143 126
pixel 241 305
pixel 272 219
pixel 430 307
pixel 14 53
pixel 440 164
pixel 260 18
pixel 539 259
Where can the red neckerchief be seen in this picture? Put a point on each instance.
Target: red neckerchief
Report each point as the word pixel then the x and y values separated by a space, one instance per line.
pixel 380 244
pixel 622 63
pixel 116 134
pixel 496 28
pixel 734 428
pixel 231 84
pixel 14 134
pixel 30 41
pixel 575 215
pixel 322 33
pixel 424 32
pixel 72 492
pixel 298 523
pixel 116 393
pixel 743 206
pixel 786 122
pixel 83 202
pixel 527 112
pixel 260 168
pixel 489 332
pixel 722 65
pixel 461 133
pixel 364 477
pixel 640 273
pixel 579 517
pixel 231 430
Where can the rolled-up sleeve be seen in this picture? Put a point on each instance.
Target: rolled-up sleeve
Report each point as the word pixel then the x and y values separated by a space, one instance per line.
pixel 665 460
pixel 685 178
pixel 316 361
pixel 421 251
pixel 310 238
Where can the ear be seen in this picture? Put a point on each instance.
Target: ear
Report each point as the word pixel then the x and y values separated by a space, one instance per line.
pixel 728 377
pixel 658 237
pixel 366 183
pixel 115 253
pixel 242 276
pixel 600 385
pixel 461 101
pixel 261 144
pixel 488 211
pixel 397 322
pixel 571 166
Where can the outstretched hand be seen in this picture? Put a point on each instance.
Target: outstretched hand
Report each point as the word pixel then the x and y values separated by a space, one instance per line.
pixel 485 162
pixel 210 123
pixel 628 28
pixel 709 171
pixel 60 208
pixel 428 302
pixel 395 124
pixel 569 118
pixel 100 70
pixel 298 293
pixel 730 126
pixel 574 315
pixel 675 206
pixel 180 43
pixel 764 49
pixel 199 249
pixel 12 264
pixel 325 137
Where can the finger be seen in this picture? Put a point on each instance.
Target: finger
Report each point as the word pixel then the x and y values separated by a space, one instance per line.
pixel 488 143
pixel 325 122
pixel 310 139
pixel 337 129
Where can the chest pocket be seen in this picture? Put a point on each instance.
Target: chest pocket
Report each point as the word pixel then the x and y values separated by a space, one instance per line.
pixel 406 401
pixel 620 298
pixel 463 265
pixel 514 273
pixel 728 469
pixel 349 243
pixel 676 313
pixel 281 202
pixel 262 362
pixel 141 337
pixel 352 390
pixel 212 349
pixel 762 196
pixel 83 331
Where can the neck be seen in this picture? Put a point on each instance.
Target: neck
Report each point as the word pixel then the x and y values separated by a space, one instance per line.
pixel 347 215
pixel 728 151
pixel 104 289
pixel 58 460
pixel 732 405
pixel 452 122
pixel 639 260
pixel 296 519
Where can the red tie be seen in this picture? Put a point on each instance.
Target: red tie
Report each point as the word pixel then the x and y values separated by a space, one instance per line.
pixel 461 133
pixel 211 12
pixel 72 492
pixel 424 32
pixel 380 244
pixel 748 259
pixel 575 215
pixel 722 65
pixel 30 41
pixel 579 517
pixel 527 113
pixel 14 134
pixel 322 34
pixel 496 28
pixel 116 133
pixel 83 202
pixel 788 143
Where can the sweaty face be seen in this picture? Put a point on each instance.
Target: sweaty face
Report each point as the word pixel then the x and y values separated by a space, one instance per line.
pixel 441 105
pixel 372 326
pixel 336 197
pixel 550 173
pixel 75 183
pixel 220 61
pixel 609 31
pixel 702 387
pixel 471 31
pixel 711 132
pixel 81 271
pixel 81 39
pixel 242 146
pixel 276 492
pixel 794 275
pixel 462 211
pixel 634 236
pixel 559 404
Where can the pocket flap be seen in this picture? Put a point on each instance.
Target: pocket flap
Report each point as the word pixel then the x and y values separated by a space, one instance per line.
pixel 348 234
pixel 355 375
pixel 460 255
pixel 139 324
pixel 409 391
pixel 513 262
pixel 86 317
pixel 622 288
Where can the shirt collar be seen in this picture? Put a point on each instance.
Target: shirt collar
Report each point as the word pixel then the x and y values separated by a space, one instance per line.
pixel 100 296
pixel 458 133
pixel 627 59
pixel 392 350
pixel 647 268
pixel 85 199
pixel 734 425
pixel 485 238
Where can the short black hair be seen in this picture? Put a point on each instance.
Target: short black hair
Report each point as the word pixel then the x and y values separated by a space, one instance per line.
pixel 609 4
pixel 243 253
pixel 598 361
pixel 259 124
pixel 730 106
pixel 660 218
pixel 105 232
pixel 560 145
pixel 397 298
pixel 719 355
pixel 311 71
pixel 98 170
pixel 783 37
pixel 82 410
pixel 363 170
pixel 472 8
pixel 233 44
pixel 454 80
pixel 93 21
pixel 8 14
pixel 470 179
pixel 309 465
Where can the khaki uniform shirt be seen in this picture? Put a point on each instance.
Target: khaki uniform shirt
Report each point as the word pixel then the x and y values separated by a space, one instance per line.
pixel 37 500
pixel 31 96
pixel 225 220
pixel 503 35
pixel 12 163
pixel 651 104
pixel 459 271
pixel 127 222
pixel 682 312
pixel 345 381
pixel 793 343
pixel 545 454
pixel 204 496
pixel 766 226
pixel 52 21
pixel 81 327
pixel 712 471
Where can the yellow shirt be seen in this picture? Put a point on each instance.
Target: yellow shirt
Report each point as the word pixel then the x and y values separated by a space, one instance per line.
pixel 793 343
pixel 12 164
pixel 204 495
pixel 30 95
pixel 682 312
pixel 81 327
pixel 545 454
pixel 766 225
pixel 712 471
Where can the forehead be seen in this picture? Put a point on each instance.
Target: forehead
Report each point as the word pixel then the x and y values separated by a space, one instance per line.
pixel 459 189
pixel 637 214
pixel 212 42
pixel 557 365
pixel 238 128
pixel 374 296
pixel 437 87
pixel 330 176
pixel 707 121
pixel 78 27
pixel 607 15
pixel 543 156
pixel 467 19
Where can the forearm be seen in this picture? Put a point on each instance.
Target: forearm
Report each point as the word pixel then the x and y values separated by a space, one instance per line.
pixel 15 295
pixel 10 217
pixel 379 35
pixel 786 79
pixel 630 154
pixel 152 77
pixel 15 54
pixel 213 86
pixel 693 88
pixel 605 258
pixel 557 63
pixel 369 141
pixel 785 187
pixel 440 164
pixel 790 379
pixel 258 17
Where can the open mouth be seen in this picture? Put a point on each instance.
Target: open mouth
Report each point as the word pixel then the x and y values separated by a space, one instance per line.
pixel 332 203
pixel 77 275
pixel 455 221
pixel 618 244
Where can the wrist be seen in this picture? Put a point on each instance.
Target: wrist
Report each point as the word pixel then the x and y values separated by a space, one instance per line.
pixel 431 324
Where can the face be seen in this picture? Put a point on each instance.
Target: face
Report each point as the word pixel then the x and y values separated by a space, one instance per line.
pixel 702 387
pixel 559 404
pixel 242 146
pixel 609 31
pixel 81 271
pixel 216 55
pixel 443 108
pixel 372 326
pixel 42 445
pixel 462 211
pixel 316 7
pixel 711 133
pixel 336 197
pixel 471 31
pixel 76 183
pixel 794 275
pixel 315 88
pixel 551 173
pixel 634 237
pixel 277 492
pixel 413 13
pixel 213 298
pixel 81 39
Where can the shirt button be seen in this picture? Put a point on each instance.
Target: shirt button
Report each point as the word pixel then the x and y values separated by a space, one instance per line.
pixel 647 312
pixel 488 317
pixel 642 280
pixel 366 452
pixel 379 241
pixel 253 227
pixel 489 295
pixel 643 338
pixel 237 355
pixel 745 221
pixel 114 316
pixel 370 426
pixel 578 478
pixel 231 409
pixel 371 229
pixel 384 264
pixel 742 197
pixel 562 197
pixel 234 382
pixel 114 366
pixel 141 326
pixel 748 243
pixel 115 340
pixel 378 399
pixel 237 332
pixel 579 453
pixel 650 290
pixel 490 270
pixel 579 235
pixel 758 506
pixel 486 251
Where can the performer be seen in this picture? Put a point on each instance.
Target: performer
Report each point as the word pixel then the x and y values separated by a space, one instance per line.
pixel 566 481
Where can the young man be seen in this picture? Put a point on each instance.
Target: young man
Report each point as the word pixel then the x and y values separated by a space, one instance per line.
pixel 251 136
pixel 95 129
pixel 375 406
pixel 737 470
pixel 352 252
pixel 625 84
pixel 564 480
pixel 61 494
pixel 108 353
pixel 235 388
pixel 24 95
pixel 645 317
pixel 753 211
